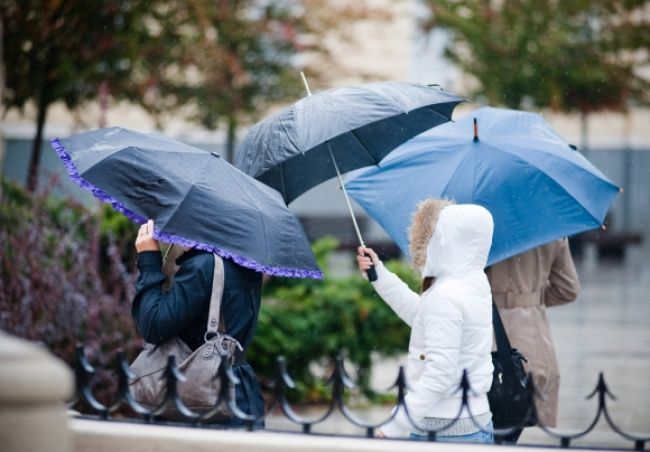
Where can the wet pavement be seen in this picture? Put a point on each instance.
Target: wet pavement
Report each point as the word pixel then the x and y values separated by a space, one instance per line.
pixel 606 330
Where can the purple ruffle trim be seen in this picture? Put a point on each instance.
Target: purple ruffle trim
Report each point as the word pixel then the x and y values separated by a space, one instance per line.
pixel 172 238
pixel 96 191
pixel 243 261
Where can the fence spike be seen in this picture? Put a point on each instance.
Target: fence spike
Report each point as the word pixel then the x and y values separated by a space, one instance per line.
pixel 124 375
pixel 84 373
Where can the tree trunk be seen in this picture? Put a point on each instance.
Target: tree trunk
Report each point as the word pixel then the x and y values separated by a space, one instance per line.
pixel 32 175
pixel 2 97
pixel 584 133
pixel 230 140
pixel 628 165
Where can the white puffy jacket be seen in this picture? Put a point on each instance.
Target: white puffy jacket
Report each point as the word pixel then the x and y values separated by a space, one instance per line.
pixel 451 323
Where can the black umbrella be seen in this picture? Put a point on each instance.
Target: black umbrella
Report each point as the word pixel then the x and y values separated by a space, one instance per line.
pixel 339 130
pixel 195 198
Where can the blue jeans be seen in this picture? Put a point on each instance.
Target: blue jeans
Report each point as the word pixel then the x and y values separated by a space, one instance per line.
pixel 478 437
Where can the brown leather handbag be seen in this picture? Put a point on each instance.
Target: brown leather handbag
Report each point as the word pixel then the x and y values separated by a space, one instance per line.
pixel 200 391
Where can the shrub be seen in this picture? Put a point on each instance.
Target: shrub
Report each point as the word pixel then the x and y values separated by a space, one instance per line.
pixel 63 281
pixel 309 322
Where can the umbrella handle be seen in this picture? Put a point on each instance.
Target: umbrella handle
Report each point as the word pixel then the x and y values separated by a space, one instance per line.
pixel 371 272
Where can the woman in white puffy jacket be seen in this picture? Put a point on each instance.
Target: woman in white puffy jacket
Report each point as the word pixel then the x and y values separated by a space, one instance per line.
pixel 451 321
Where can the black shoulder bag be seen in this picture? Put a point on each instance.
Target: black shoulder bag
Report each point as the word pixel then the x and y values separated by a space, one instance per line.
pixel 510 399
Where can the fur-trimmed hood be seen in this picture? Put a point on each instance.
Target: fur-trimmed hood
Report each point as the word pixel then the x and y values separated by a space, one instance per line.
pixel 423 224
pixel 460 243
pixel 450 238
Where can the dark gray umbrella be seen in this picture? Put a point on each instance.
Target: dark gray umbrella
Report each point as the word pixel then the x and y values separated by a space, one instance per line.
pixel 292 150
pixel 339 130
pixel 195 198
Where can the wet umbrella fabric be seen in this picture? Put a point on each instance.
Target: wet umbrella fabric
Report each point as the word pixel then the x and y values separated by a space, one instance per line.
pixel 195 197
pixel 292 150
pixel 535 185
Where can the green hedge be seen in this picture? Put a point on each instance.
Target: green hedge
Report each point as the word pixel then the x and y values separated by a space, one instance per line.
pixel 309 322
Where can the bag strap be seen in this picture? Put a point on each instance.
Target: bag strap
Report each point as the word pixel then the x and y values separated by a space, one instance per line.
pixel 503 344
pixel 214 321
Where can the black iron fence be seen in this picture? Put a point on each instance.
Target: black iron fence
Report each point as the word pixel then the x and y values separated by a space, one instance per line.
pixel 339 382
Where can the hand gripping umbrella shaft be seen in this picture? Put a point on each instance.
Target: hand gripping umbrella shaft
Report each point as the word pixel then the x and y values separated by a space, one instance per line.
pixel 371 272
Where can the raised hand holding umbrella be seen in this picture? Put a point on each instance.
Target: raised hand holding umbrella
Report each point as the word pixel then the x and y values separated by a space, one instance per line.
pixel 145 240
pixel 370 271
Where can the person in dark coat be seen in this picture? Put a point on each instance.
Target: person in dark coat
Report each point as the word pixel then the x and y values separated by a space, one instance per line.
pixel 182 310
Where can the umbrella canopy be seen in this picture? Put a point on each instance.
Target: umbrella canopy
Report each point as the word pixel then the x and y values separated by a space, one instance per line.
pixel 292 151
pixel 534 184
pixel 195 198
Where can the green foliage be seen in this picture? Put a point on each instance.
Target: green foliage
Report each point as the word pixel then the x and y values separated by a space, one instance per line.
pixel 62 50
pixel 242 56
pixel 579 56
pixel 217 62
pixel 309 322
pixel 119 232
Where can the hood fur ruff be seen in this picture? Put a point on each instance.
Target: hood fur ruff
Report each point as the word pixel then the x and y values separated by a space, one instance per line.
pixel 423 224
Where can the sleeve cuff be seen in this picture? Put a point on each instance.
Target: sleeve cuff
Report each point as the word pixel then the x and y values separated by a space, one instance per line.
pixel 149 261
pixel 383 276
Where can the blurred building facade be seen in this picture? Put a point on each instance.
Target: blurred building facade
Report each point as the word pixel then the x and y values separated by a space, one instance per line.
pixel 392 49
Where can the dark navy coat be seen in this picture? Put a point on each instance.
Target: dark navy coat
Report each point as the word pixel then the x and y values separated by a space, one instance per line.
pixel 183 310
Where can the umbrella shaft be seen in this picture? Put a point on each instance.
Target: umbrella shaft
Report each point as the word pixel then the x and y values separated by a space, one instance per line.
pixel 347 199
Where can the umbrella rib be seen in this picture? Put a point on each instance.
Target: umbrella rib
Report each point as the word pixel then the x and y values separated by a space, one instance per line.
pixel 454 173
pixel 365 148
pixel 522 157
pixel 579 204
pixel 537 149
pixel 448 118
pixel 255 203
pixel 160 228
pixel 284 187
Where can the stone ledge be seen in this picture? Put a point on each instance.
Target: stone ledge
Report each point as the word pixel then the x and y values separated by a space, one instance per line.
pixel 30 375
pixel 103 436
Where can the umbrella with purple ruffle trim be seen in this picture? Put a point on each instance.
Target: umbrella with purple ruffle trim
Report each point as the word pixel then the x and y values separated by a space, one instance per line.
pixel 195 198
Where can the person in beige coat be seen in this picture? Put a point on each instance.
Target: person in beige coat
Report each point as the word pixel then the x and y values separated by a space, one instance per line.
pixel 523 286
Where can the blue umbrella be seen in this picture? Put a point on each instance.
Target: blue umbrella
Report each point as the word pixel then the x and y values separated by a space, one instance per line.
pixel 535 185
pixel 195 197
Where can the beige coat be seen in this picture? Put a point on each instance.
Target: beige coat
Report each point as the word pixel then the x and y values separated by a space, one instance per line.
pixel 523 287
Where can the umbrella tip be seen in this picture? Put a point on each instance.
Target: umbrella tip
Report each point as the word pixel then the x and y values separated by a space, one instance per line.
pixel 475 130
pixel 304 80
